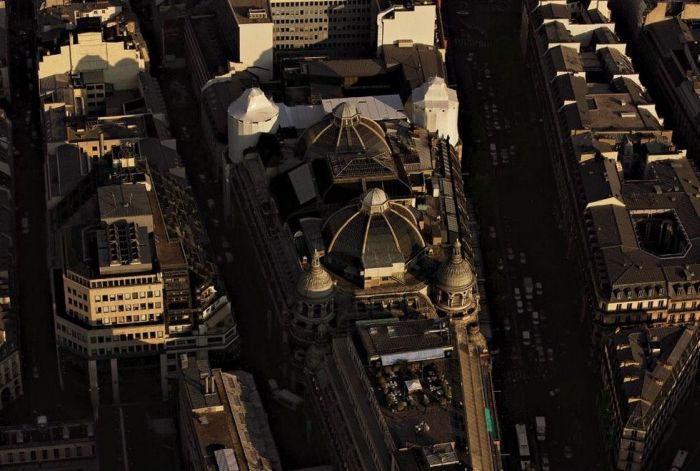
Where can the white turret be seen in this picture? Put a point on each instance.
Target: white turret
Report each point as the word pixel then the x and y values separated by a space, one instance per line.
pixel 435 107
pixel 249 116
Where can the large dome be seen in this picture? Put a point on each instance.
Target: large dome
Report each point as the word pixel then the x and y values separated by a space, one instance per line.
pixel 315 283
pixel 456 274
pixel 373 233
pixel 354 146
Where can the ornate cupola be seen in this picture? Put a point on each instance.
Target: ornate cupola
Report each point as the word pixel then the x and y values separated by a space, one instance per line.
pixel 454 290
pixel 315 305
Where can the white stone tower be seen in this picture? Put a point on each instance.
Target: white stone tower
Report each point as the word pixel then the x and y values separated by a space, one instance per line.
pixel 249 116
pixel 435 107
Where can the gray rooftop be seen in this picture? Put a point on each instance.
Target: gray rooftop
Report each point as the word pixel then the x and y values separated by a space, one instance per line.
pixel 648 360
pixel 392 337
pixel 124 201
pixel 227 412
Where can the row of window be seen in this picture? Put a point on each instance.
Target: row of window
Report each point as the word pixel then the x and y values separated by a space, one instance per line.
pixel 325 20
pixel 328 43
pixel 76 293
pixel 129 349
pixel 324 14
pixel 46 454
pixel 127 307
pixel 122 296
pixel 126 337
pixel 131 281
pixel 129 319
pixel 113 320
pixel 319 3
pixel 640 305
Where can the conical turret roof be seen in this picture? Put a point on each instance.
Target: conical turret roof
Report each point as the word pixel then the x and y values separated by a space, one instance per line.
pixel 253 106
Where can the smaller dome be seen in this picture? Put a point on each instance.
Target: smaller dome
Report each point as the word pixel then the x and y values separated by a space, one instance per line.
pixel 346 114
pixel 456 273
pixel 375 201
pixel 315 283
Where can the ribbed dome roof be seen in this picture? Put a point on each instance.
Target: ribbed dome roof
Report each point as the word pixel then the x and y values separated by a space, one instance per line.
pixel 315 283
pixel 353 145
pixel 456 273
pixel 375 201
pixel 346 114
pixel 374 233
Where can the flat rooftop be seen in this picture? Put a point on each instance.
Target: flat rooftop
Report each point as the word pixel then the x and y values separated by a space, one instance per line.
pixel 123 201
pixel 393 341
pixel 227 413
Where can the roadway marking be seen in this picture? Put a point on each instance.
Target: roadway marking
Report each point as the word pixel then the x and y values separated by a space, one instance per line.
pixel 121 428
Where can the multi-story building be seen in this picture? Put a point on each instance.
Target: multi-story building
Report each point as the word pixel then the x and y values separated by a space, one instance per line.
pixel 628 194
pixel 647 373
pixel 400 22
pixel 131 291
pixel 633 15
pixel 49 445
pixel 669 51
pixel 104 57
pixel 373 205
pixel 222 422
pixel 247 29
pixel 10 370
pixel 340 28
pixel 5 90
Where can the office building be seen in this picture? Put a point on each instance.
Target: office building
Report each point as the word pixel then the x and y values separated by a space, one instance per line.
pixel 647 372
pixel 222 422
pixel 67 445
pixel 669 53
pixel 5 86
pixel 401 22
pixel 133 292
pixel 10 360
pixel 105 57
pixel 340 28
pixel 632 16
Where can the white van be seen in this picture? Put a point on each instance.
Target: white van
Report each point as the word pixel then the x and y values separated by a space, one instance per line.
pixel 526 338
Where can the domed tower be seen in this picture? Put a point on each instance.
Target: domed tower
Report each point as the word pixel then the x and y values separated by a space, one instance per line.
pixel 454 290
pixel 248 116
pixel 315 306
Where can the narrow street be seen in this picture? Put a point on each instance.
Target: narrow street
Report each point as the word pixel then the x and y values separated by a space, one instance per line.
pixel 39 363
pixel 545 364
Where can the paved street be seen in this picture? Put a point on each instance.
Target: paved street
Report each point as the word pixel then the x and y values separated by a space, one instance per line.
pixel 509 177
pixel 36 319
